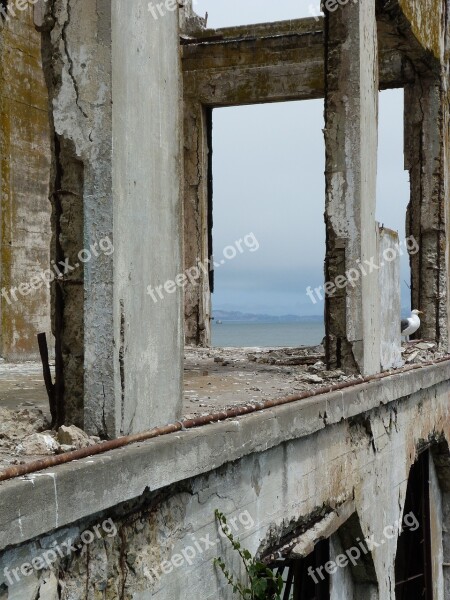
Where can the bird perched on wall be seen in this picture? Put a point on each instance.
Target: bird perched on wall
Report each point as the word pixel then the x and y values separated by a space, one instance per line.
pixel 411 324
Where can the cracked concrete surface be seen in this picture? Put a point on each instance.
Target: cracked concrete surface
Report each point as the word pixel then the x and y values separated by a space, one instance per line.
pixel 281 467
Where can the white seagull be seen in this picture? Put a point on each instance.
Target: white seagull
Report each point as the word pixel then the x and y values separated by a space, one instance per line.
pixel 411 325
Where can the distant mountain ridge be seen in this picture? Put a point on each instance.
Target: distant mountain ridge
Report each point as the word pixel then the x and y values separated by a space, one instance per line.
pixel 236 316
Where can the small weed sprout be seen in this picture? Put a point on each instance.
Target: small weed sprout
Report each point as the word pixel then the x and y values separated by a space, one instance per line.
pixel 262 583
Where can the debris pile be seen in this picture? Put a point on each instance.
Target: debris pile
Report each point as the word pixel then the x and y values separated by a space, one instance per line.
pixel 223 378
pixel 25 435
pixel 420 351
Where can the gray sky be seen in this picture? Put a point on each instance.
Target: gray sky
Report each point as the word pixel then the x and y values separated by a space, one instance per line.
pixel 269 179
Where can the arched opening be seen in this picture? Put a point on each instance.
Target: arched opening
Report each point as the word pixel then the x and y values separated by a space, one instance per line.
pixel 339 565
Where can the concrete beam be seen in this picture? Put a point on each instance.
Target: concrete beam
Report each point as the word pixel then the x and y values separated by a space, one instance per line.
pixel 272 62
pixel 121 475
pixel 351 138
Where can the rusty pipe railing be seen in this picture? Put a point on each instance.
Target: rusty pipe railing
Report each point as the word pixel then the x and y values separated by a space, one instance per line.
pixel 239 411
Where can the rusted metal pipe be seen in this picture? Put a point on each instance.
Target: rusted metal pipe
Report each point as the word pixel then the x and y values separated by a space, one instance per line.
pixel 238 411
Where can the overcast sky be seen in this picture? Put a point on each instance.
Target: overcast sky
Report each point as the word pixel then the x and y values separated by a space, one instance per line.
pixel 268 168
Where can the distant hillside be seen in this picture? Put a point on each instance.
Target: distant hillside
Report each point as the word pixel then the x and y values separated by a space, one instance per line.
pixel 236 316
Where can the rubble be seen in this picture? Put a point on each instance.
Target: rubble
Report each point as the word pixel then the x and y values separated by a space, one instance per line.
pixel 38 444
pixel 420 351
pixel 241 376
pixel 25 435
pixel 223 378
pixel 75 438
pixel 215 379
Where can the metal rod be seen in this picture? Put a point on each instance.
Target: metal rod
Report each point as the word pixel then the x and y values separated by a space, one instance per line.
pixel 239 411
pixel 50 387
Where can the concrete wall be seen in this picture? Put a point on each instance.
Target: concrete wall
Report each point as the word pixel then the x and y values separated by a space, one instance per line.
pixel 426 21
pixel 274 472
pixel 115 84
pixel 25 208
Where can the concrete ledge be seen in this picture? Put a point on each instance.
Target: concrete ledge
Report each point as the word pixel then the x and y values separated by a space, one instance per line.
pixel 83 488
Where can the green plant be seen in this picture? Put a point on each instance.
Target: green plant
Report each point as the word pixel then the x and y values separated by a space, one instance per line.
pixel 262 583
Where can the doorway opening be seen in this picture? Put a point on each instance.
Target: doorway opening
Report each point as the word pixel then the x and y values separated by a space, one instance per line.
pixel 268 236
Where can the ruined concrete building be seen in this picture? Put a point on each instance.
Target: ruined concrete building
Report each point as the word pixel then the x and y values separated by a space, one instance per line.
pixel 105 148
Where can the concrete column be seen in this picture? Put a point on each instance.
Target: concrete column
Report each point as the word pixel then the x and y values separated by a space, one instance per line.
pixel 427 159
pixel 25 208
pixel 197 222
pixel 114 73
pixel 389 299
pixel 351 113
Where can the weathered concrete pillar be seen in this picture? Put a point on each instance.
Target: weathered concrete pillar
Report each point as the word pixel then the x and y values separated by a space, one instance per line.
pixel 427 159
pixel 351 114
pixel 25 209
pixel 389 299
pixel 197 223
pixel 114 76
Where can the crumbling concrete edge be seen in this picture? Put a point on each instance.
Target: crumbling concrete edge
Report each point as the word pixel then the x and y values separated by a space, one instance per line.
pixel 82 488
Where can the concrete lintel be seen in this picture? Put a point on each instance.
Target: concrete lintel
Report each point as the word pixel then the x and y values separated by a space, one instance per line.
pixel 259 30
pixel 323 529
pixel 83 488
pixel 272 62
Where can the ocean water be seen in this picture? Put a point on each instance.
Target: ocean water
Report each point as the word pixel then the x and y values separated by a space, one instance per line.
pixel 240 334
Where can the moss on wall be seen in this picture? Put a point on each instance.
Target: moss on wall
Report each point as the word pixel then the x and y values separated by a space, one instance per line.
pixel 25 165
pixel 425 17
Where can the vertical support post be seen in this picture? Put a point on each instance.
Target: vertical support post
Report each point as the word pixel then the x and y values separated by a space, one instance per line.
pixel 427 159
pixel 351 137
pixel 115 80
pixel 197 222
pixel 390 299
